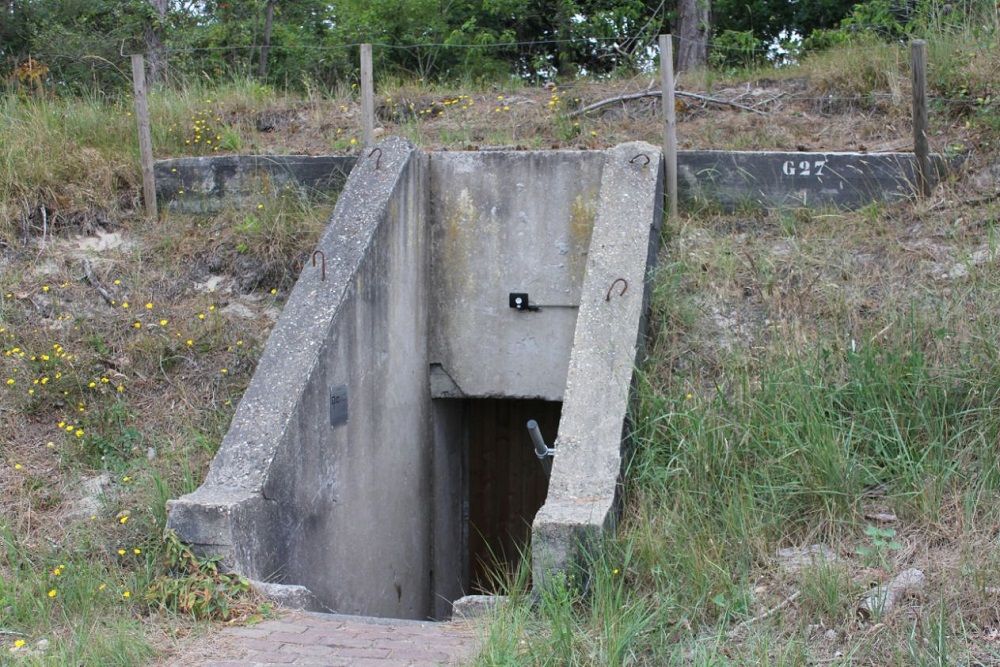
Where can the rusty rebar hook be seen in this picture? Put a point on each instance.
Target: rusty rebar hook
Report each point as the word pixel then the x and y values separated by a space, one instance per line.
pixel 322 270
pixel 610 289
pixel 378 160
pixel 640 155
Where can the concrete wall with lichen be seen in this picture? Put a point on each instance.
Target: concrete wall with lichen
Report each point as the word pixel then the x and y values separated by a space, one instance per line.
pixel 508 222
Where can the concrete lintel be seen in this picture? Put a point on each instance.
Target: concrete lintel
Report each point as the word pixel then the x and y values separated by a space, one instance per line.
pixel 607 341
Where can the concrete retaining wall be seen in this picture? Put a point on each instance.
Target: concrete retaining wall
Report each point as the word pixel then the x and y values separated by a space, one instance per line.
pixel 508 222
pixel 324 477
pixel 726 179
pixel 607 342
pixel 207 184
pixel 735 179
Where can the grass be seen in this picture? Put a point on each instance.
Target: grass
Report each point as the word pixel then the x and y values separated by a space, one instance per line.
pixel 805 373
pixel 787 452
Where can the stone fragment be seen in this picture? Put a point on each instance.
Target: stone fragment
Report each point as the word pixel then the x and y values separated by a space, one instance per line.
pixel 881 600
pixel 794 559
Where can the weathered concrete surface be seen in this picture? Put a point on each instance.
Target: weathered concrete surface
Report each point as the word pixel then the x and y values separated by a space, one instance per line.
pixel 734 179
pixel 608 339
pixel 291 596
pixel 450 504
pixel 207 184
pixel 477 606
pixel 728 179
pixel 508 222
pixel 320 480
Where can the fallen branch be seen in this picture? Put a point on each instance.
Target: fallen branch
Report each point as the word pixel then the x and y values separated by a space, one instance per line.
pixel 88 273
pixel 760 617
pixel 657 93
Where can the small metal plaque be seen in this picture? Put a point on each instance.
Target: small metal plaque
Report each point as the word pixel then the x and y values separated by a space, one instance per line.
pixel 338 405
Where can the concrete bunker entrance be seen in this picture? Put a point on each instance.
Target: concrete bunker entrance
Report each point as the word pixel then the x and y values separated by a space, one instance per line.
pixel 379 462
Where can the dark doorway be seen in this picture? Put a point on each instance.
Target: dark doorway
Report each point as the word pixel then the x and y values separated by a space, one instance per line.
pixel 506 483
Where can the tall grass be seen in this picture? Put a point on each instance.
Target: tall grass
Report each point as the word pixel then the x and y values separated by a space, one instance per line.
pixel 786 454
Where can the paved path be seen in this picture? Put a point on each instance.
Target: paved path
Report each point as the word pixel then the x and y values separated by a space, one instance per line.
pixel 300 638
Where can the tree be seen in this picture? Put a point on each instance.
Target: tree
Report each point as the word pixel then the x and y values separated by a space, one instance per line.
pixel 268 26
pixel 693 31
pixel 153 36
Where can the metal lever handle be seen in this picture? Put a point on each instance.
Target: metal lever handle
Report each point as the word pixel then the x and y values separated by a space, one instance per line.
pixel 542 451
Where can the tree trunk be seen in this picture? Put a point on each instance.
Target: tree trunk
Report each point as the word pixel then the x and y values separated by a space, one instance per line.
pixel 268 23
pixel 564 50
pixel 155 55
pixel 692 52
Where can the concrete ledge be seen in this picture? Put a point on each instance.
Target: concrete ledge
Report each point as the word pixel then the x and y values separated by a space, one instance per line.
pixel 735 179
pixel 208 184
pixel 289 596
pixel 582 491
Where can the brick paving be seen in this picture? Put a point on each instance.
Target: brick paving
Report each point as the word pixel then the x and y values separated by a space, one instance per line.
pixel 302 638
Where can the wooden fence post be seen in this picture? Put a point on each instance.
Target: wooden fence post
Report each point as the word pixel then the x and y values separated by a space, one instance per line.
pixel 921 148
pixel 669 120
pixel 145 139
pixel 367 96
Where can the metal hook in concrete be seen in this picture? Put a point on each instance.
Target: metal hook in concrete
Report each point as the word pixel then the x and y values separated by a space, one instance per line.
pixel 640 155
pixel 378 160
pixel 610 289
pixel 322 257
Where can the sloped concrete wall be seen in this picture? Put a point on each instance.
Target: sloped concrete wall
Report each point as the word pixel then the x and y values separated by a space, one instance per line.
pixel 506 222
pixel 325 473
pixel 607 343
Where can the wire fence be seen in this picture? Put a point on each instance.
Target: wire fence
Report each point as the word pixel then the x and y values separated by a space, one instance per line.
pixel 628 85
pixel 564 106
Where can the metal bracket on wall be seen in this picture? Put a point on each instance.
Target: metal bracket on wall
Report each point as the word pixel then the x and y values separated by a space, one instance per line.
pixel 521 301
pixel 338 405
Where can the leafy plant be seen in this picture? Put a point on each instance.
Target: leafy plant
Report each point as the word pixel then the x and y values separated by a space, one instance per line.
pixel 881 543
pixel 196 586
